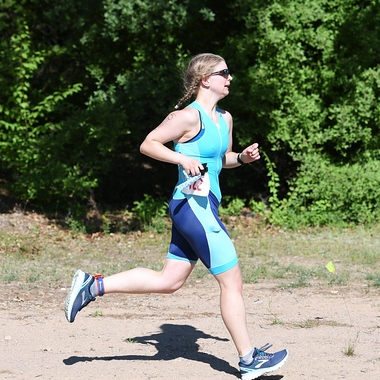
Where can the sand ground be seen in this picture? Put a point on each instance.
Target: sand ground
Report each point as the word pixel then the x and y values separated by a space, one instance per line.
pixel 181 336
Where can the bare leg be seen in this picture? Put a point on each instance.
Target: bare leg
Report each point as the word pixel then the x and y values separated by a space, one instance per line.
pixel 233 308
pixel 142 280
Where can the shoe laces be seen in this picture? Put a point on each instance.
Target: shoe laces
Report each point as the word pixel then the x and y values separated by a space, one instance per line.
pixel 265 347
pixel 261 351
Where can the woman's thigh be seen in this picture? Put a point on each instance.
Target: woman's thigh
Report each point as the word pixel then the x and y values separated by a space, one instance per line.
pixel 199 233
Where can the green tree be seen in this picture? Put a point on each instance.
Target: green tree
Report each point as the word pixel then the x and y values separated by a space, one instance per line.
pixel 81 84
pixel 311 91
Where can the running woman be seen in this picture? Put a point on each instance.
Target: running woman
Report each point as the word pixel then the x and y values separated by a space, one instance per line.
pixel 202 137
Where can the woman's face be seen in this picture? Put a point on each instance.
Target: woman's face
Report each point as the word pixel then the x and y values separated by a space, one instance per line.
pixel 220 78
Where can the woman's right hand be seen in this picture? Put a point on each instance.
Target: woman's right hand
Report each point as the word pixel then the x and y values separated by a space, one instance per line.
pixel 191 166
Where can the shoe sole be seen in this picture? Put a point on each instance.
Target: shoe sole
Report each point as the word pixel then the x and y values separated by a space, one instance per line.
pixel 76 286
pixel 258 373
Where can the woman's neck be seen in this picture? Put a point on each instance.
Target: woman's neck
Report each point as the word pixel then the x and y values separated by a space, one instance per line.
pixel 209 106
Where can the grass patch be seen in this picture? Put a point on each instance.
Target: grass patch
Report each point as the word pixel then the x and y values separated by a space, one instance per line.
pixel 44 253
pixel 298 258
pixel 129 340
pixel 350 348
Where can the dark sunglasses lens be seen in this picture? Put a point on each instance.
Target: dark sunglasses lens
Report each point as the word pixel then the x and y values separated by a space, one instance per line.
pixel 225 73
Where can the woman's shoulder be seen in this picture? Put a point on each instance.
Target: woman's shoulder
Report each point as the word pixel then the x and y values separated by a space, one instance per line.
pixel 224 112
pixel 188 115
pixel 186 122
pixel 226 115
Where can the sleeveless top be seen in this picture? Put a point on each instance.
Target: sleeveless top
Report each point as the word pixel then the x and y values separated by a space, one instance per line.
pixel 208 146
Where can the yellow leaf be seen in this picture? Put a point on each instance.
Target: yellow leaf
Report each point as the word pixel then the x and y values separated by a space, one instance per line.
pixel 330 267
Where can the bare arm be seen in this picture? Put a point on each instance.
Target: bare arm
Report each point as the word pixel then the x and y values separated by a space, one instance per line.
pixel 249 154
pixel 177 126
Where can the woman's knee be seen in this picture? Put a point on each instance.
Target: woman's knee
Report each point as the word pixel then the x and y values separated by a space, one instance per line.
pixel 231 279
pixel 172 288
pixel 174 275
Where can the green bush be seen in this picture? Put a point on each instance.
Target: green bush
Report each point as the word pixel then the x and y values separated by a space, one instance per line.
pixel 231 207
pixel 326 194
pixel 151 212
pixel 314 86
pixel 76 101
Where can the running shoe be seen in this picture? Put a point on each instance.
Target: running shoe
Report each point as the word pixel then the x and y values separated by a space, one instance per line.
pixel 262 363
pixel 79 295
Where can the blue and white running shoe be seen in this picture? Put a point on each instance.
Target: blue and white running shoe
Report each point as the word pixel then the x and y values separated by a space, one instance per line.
pixel 79 295
pixel 262 363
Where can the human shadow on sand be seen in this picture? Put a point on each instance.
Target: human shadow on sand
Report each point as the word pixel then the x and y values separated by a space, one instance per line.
pixel 172 342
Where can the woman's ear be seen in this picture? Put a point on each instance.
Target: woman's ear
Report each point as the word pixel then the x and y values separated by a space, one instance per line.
pixel 205 82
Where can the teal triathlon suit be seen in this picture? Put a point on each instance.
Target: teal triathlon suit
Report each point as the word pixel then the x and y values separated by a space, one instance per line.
pixel 197 231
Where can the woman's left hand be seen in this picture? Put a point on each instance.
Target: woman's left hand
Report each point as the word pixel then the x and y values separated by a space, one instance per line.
pixel 250 153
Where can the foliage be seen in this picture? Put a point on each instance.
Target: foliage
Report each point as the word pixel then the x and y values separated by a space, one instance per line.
pixel 26 125
pixel 315 98
pixel 151 212
pixel 78 94
pixel 325 194
pixel 231 207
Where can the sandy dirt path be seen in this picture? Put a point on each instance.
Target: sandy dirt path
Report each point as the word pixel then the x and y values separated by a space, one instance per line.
pixel 181 336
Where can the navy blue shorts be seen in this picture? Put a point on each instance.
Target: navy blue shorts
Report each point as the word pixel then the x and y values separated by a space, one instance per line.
pixel 198 233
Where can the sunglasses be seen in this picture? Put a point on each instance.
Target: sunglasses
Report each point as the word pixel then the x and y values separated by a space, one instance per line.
pixel 224 73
